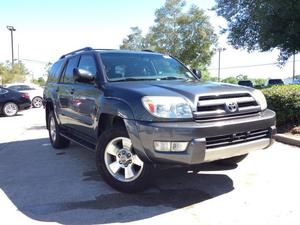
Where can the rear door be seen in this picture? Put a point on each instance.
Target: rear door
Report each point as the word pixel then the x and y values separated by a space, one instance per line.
pixel 86 97
pixel 65 90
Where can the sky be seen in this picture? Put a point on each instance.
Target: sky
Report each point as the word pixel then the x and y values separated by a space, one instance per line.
pixel 45 30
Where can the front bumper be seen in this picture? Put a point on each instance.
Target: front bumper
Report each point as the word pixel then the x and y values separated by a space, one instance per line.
pixel 197 133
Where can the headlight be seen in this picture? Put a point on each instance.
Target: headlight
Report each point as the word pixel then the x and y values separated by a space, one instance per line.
pixel 167 107
pixel 260 98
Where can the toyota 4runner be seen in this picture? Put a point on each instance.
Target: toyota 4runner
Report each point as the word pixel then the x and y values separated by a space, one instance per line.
pixel 139 109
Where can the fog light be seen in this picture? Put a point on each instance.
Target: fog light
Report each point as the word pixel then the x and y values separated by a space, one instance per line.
pixel 166 146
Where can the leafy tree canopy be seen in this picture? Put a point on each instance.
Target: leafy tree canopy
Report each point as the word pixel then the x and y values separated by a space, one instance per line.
pixel 263 25
pixel 183 33
pixel 135 40
pixel 40 81
pixel 15 73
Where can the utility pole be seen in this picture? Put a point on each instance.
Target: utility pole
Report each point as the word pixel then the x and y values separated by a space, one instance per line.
pixel 11 29
pixel 219 67
pixel 294 67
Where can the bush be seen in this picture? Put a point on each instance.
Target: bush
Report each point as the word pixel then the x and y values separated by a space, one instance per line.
pixel 285 101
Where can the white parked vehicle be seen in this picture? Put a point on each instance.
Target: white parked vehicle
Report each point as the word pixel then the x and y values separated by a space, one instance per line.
pixel 35 92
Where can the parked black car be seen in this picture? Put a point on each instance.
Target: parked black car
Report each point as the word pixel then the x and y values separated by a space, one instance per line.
pixel 246 83
pixel 139 109
pixel 11 102
pixel 273 82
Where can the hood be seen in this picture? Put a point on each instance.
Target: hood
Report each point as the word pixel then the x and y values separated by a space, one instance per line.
pixel 187 89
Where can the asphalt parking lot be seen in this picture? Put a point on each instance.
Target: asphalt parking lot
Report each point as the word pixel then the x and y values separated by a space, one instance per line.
pixel 40 184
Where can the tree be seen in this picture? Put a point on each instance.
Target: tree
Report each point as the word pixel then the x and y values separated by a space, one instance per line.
pixel 185 34
pixel 47 68
pixel 40 81
pixel 135 40
pixel 259 81
pixel 15 73
pixel 230 80
pixel 242 77
pixel 262 25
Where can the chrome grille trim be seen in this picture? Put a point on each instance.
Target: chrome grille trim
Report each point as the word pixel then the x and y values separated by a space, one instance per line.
pixel 213 106
pixel 221 101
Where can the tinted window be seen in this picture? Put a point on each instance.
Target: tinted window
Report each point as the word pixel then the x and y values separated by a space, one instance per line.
pixel 276 82
pixel 87 63
pixel 25 88
pixel 55 71
pixel 68 74
pixel 14 87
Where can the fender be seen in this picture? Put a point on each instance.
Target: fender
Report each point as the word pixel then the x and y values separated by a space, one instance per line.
pixel 119 107
pixel 116 107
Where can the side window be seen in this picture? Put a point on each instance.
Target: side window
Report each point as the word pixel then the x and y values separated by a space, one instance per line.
pixel 87 62
pixel 68 74
pixel 14 87
pixel 24 88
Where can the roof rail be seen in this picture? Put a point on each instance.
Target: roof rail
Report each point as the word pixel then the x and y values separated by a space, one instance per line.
pixel 77 51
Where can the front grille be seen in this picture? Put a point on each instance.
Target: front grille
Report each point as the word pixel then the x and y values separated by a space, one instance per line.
pixel 214 106
pixel 225 140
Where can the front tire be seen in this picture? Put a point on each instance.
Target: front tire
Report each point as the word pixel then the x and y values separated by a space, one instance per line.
pixel 10 109
pixel 119 164
pixel 57 141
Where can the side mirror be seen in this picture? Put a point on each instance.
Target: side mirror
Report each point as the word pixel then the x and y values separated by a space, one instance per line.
pixel 197 73
pixel 83 76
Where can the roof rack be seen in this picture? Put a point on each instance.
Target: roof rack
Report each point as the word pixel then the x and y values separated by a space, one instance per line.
pixel 77 51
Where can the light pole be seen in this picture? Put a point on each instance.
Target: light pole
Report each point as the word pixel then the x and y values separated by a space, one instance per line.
pixel 219 67
pixel 11 29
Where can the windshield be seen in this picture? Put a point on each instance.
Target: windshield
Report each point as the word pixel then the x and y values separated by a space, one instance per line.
pixel 135 66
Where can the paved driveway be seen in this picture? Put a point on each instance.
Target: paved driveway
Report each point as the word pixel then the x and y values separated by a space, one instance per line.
pixel 40 184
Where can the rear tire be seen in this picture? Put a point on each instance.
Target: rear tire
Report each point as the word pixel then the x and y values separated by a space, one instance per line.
pixel 10 109
pixel 37 102
pixel 231 161
pixel 119 164
pixel 57 141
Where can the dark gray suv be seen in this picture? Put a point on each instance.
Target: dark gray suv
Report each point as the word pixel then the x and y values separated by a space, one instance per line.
pixel 139 109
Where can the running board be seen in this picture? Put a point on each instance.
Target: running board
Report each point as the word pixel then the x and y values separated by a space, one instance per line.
pixel 80 142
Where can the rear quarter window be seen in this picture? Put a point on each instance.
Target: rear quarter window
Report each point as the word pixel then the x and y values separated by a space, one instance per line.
pixel 55 71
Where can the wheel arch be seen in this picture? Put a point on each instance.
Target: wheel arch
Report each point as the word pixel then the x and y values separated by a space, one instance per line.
pixel 116 113
pixel 113 112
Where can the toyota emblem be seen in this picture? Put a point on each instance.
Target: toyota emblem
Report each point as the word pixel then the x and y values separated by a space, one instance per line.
pixel 231 106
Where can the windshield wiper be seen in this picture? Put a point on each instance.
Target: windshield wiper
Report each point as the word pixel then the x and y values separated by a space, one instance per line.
pixel 172 78
pixel 132 79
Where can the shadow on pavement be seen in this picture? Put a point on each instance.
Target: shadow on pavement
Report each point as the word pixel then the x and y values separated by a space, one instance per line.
pixel 64 186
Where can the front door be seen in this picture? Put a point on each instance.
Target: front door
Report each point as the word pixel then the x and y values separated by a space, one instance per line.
pixel 86 100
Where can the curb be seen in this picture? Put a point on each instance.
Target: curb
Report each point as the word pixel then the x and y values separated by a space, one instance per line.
pixel 287 140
